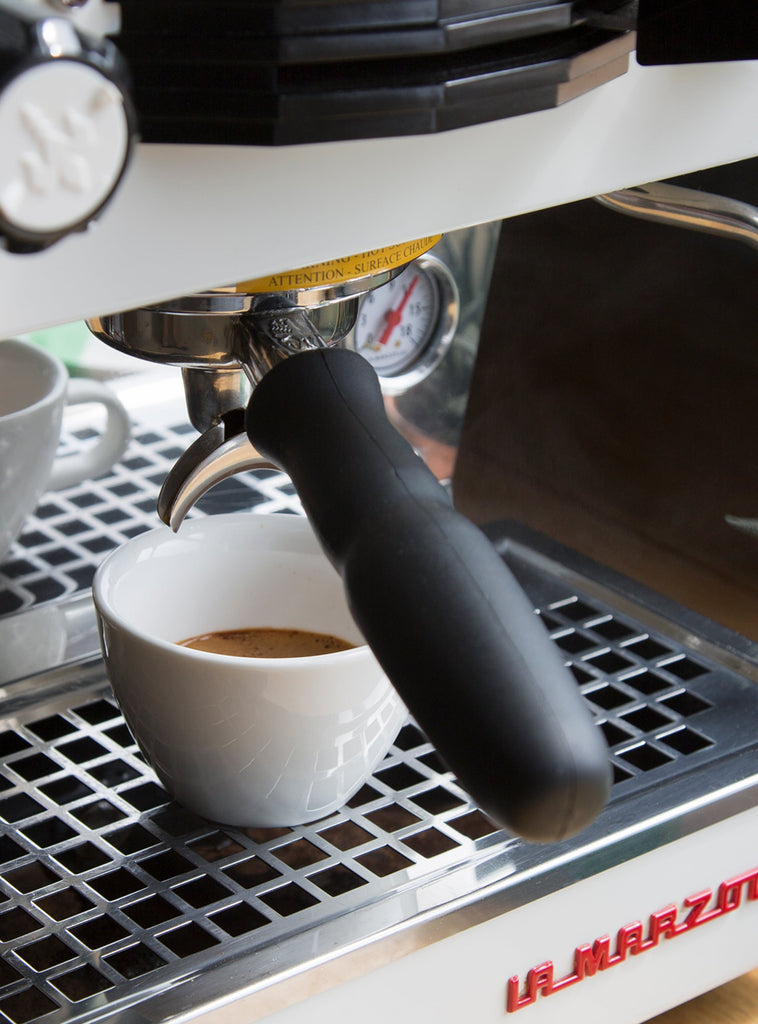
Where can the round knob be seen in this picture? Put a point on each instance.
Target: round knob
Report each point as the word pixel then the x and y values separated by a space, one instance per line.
pixel 66 128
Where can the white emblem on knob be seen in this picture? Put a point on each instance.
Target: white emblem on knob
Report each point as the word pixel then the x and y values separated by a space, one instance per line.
pixel 64 139
pixel 60 154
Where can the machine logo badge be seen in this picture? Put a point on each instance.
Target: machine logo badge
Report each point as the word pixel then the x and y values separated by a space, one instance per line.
pixel 65 139
pixel 58 157
pixel 634 938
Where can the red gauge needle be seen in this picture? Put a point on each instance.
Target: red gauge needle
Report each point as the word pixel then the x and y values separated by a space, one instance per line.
pixel 394 316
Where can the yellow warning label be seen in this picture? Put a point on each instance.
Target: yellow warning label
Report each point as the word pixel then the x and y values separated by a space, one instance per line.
pixel 348 268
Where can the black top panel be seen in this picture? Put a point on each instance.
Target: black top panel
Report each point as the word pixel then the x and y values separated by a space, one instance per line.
pixel 298 18
pixel 294 33
pixel 694 31
pixel 263 73
pixel 287 71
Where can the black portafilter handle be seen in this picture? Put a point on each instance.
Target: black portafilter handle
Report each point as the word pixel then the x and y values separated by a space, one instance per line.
pixel 443 614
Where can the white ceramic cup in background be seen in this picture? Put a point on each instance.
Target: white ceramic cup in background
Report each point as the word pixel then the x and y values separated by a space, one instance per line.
pixel 34 390
pixel 243 741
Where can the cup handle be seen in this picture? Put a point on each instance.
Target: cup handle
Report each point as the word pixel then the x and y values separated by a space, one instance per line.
pixel 69 470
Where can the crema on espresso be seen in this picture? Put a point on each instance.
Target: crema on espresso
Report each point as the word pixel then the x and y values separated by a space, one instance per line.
pixel 267 642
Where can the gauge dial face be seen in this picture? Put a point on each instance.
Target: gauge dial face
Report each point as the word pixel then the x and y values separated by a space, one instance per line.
pixel 397 321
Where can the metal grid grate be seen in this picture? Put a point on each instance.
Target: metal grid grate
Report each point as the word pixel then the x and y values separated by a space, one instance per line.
pixel 634 683
pixel 107 886
pixel 71 531
pixel 105 882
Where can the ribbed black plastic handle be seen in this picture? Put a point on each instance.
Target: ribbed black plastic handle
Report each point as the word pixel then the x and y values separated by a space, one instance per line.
pixel 444 616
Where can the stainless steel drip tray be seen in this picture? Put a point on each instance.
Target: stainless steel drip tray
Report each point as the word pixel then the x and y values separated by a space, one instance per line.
pixel 116 901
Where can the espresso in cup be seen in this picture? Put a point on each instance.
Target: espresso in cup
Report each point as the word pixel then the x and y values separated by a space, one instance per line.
pixel 255 741
pixel 267 642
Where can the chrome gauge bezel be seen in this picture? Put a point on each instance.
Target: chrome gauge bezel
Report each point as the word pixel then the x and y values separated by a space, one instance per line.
pixel 439 337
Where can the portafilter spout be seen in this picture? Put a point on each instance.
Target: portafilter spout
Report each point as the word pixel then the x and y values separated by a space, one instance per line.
pixel 440 609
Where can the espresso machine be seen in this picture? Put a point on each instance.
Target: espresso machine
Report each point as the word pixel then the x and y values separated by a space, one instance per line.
pixel 260 196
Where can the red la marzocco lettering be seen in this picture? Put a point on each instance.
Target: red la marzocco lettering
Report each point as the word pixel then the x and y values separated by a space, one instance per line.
pixel 633 939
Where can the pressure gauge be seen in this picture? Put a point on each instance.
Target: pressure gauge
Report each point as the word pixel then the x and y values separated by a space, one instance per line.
pixel 405 327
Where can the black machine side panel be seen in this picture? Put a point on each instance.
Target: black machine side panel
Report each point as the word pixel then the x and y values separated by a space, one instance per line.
pixel 693 31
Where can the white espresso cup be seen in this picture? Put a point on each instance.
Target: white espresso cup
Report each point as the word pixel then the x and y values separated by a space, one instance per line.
pixel 252 742
pixel 34 391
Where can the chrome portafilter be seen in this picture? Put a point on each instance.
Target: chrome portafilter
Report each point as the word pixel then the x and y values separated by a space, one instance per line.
pixel 268 384
pixel 225 340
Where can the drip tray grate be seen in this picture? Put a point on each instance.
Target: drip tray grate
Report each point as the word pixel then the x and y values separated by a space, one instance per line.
pixel 105 882
pixel 110 893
